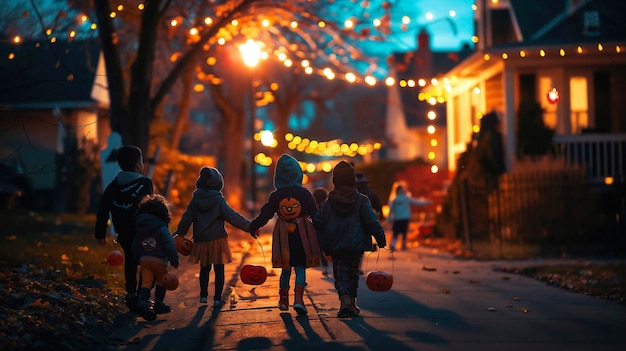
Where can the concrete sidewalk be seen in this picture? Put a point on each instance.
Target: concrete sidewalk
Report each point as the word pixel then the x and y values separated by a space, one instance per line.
pixel 437 303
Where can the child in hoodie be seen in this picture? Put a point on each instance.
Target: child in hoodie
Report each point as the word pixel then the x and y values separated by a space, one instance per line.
pixel 294 240
pixel 400 215
pixel 154 248
pixel 347 221
pixel 120 199
pixel 207 211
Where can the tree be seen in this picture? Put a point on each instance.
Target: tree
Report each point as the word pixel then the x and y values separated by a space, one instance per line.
pixel 148 48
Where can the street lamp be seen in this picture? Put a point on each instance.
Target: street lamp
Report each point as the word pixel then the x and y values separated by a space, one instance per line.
pixel 251 54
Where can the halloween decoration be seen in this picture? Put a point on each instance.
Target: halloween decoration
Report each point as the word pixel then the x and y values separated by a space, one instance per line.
pixel 170 281
pixel 253 274
pixel 379 281
pixel 183 245
pixel 115 258
pixel 289 210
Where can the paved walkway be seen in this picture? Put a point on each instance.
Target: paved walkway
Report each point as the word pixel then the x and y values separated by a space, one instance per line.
pixel 437 303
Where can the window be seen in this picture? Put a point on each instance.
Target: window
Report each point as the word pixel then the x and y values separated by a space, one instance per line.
pixel 579 108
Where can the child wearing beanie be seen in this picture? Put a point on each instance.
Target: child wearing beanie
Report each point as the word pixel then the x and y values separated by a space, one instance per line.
pixel 294 240
pixel 207 211
pixel 348 223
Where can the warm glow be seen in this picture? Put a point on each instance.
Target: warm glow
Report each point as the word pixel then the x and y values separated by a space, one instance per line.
pixel 350 77
pixel 390 81
pixel 113 14
pixel 474 39
pixel 600 47
pixel 505 56
pixel 17 39
pixel 434 169
pixel 141 6
pixel 431 155
pixel 522 53
pixel 433 142
pixel 486 57
pixel 198 88
pixel 406 20
pixel 579 49
pixel 562 52
pixel 349 24
pixel 251 53
pixel 193 31
pixel 174 22
pixel 542 53
pixel 430 129
pixel 432 115
pixel 208 20
pixel 370 80
pixel 267 138
pixel 265 23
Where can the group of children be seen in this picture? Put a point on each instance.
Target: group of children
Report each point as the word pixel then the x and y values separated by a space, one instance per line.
pixel 340 225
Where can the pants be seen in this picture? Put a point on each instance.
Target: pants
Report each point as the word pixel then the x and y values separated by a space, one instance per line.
pixel 400 228
pixel 131 266
pixel 346 272
pixel 219 281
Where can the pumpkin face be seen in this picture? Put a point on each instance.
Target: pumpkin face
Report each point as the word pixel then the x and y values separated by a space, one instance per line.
pixel 183 245
pixel 115 258
pixel 379 281
pixel 169 281
pixel 253 274
pixel 289 208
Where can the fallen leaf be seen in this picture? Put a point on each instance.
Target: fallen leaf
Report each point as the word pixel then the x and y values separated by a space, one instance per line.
pixel 429 269
pixel 524 310
pixel 83 248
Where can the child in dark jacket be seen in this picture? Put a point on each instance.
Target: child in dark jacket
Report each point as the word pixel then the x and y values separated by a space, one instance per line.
pixel 347 222
pixel 154 248
pixel 208 211
pixel 120 199
pixel 294 240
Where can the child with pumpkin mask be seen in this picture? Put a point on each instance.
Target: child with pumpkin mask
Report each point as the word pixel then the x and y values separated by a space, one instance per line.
pixel 294 240
pixel 207 211
pixel 348 223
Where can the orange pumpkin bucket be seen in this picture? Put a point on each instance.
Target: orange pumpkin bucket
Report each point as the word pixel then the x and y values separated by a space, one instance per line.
pixel 253 274
pixel 379 280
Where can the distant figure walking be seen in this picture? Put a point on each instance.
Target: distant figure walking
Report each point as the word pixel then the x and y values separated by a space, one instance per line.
pixel 320 195
pixel 400 215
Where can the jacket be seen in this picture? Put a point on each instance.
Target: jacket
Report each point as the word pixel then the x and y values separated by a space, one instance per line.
pixel 153 239
pixel 400 207
pixel 120 198
pixel 207 211
pixel 347 222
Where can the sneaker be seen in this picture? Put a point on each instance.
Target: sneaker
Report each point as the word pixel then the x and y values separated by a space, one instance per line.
pixel 160 308
pixel 203 299
pixel 217 303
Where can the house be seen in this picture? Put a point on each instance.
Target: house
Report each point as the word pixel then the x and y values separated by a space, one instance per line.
pixel 416 128
pixel 46 109
pixel 567 55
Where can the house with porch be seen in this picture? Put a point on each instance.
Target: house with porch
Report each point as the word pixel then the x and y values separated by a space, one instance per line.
pixel 569 56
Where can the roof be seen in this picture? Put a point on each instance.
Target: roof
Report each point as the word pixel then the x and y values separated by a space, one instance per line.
pixel 40 74
pixel 551 23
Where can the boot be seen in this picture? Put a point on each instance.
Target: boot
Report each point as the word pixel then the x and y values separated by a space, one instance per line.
pixel 159 296
pixel 346 309
pixel 354 306
pixel 298 302
pixel 283 302
pixel 143 305
pixel 131 302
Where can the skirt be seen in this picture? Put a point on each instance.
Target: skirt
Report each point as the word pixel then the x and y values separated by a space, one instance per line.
pixel 211 252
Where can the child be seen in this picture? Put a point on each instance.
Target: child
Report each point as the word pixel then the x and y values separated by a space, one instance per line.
pixel 207 211
pixel 400 214
pixel 120 199
pixel 154 248
pixel 320 195
pixel 294 241
pixel 348 223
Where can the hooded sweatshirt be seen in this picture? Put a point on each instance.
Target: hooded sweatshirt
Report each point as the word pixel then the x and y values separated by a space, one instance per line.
pixel 120 199
pixel 290 248
pixel 208 210
pixel 153 240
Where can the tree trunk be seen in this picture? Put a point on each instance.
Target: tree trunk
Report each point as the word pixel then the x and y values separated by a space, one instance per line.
pixel 182 118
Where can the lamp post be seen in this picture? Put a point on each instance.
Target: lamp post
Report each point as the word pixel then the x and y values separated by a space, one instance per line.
pixel 251 54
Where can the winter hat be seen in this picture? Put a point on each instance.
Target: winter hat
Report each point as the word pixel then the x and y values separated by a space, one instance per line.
pixel 210 179
pixel 343 174
pixel 360 178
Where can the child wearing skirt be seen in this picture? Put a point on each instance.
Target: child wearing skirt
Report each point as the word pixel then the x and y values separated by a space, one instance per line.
pixel 207 211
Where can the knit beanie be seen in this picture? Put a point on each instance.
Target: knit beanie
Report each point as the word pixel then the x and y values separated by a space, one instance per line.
pixel 210 179
pixel 343 174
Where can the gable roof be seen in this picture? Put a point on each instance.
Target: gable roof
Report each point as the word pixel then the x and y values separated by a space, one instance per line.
pixel 551 22
pixel 41 74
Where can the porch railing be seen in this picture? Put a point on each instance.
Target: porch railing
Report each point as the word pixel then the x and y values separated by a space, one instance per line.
pixel 601 155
